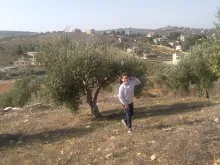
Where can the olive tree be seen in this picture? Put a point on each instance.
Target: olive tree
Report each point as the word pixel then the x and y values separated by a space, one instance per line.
pixel 216 46
pixel 83 67
pixel 193 70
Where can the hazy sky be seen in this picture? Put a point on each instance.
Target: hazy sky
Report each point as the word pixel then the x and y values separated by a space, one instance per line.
pixel 49 15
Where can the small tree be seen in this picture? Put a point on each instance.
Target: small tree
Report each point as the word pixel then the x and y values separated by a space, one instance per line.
pixel 192 41
pixel 23 89
pixel 82 67
pixel 174 35
pixel 19 50
pixel 215 60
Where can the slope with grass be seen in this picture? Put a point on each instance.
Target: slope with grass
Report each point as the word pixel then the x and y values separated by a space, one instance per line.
pixel 166 131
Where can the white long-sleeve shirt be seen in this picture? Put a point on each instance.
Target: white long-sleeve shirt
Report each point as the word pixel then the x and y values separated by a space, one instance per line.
pixel 126 91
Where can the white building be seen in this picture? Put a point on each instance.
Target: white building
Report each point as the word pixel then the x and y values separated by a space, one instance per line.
pixel 160 40
pixel 178 47
pixel 151 34
pixel 90 31
pixel 33 59
pixel 128 32
pixel 182 37
pixel 176 58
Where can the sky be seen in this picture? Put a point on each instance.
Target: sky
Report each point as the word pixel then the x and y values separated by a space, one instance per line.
pixel 54 15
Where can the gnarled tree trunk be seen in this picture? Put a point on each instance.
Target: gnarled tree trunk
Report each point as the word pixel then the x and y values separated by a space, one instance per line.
pixel 207 94
pixel 92 101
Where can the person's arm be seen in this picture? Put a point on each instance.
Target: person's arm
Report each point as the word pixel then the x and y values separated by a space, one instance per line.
pixel 136 81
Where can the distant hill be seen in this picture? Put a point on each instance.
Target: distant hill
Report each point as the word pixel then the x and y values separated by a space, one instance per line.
pixel 166 30
pixel 5 34
pixel 135 30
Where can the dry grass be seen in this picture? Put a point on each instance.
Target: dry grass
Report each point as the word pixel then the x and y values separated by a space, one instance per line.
pixel 178 131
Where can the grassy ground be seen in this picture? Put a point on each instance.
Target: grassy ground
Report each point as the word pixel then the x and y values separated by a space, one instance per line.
pixel 173 131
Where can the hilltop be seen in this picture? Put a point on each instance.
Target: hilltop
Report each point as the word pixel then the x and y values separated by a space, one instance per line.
pixel 167 29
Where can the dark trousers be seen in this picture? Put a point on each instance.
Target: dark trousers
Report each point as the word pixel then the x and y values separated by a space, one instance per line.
pixel 128 114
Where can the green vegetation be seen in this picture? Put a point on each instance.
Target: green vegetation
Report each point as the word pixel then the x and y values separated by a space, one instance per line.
pixel 174 35
pixel 21 93
pixel 216 46
pixel 192 41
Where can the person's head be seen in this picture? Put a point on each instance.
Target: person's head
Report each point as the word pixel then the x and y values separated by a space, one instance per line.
pixel 124 78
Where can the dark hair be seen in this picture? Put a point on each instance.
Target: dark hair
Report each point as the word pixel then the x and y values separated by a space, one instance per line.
pixel 124 74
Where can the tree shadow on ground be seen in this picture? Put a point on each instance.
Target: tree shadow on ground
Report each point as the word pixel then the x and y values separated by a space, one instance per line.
pixel 151 111
pixel 9 140
pixel 43 137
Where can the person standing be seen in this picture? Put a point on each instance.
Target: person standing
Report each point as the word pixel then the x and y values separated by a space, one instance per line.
pixel 126 97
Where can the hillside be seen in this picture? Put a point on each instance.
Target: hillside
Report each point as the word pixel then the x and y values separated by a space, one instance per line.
pixel 166 30
pixel 166 131
pixel 8 46
pixel 5 34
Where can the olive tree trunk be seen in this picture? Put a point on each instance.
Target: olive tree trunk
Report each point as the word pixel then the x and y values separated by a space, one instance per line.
pixel 207 94
pixel 92 101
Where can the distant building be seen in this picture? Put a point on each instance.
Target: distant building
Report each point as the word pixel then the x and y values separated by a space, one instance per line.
pixel 151 34
pixel 33 59
pixel 128 32
pixel 182 37
pixel 122 39
pixel 22 63
pixel 155 41
pixel 108 32
pixel 77 30
pixel 178 47
pixel 171 44
pixel 160 40
pixel 174 44
pixel 177 57
pixel 91 31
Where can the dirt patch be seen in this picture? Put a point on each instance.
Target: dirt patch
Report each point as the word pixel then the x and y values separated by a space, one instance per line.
pixel 6 86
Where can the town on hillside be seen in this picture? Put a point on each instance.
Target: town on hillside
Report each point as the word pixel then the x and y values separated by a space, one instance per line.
pixel 167 45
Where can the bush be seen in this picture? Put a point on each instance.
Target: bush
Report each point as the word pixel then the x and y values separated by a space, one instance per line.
pixel 6 100
pixel 23 90
pixel 21 93
pixel 193 71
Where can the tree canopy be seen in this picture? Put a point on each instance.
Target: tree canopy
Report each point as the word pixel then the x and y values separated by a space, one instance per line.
pixel 216 46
